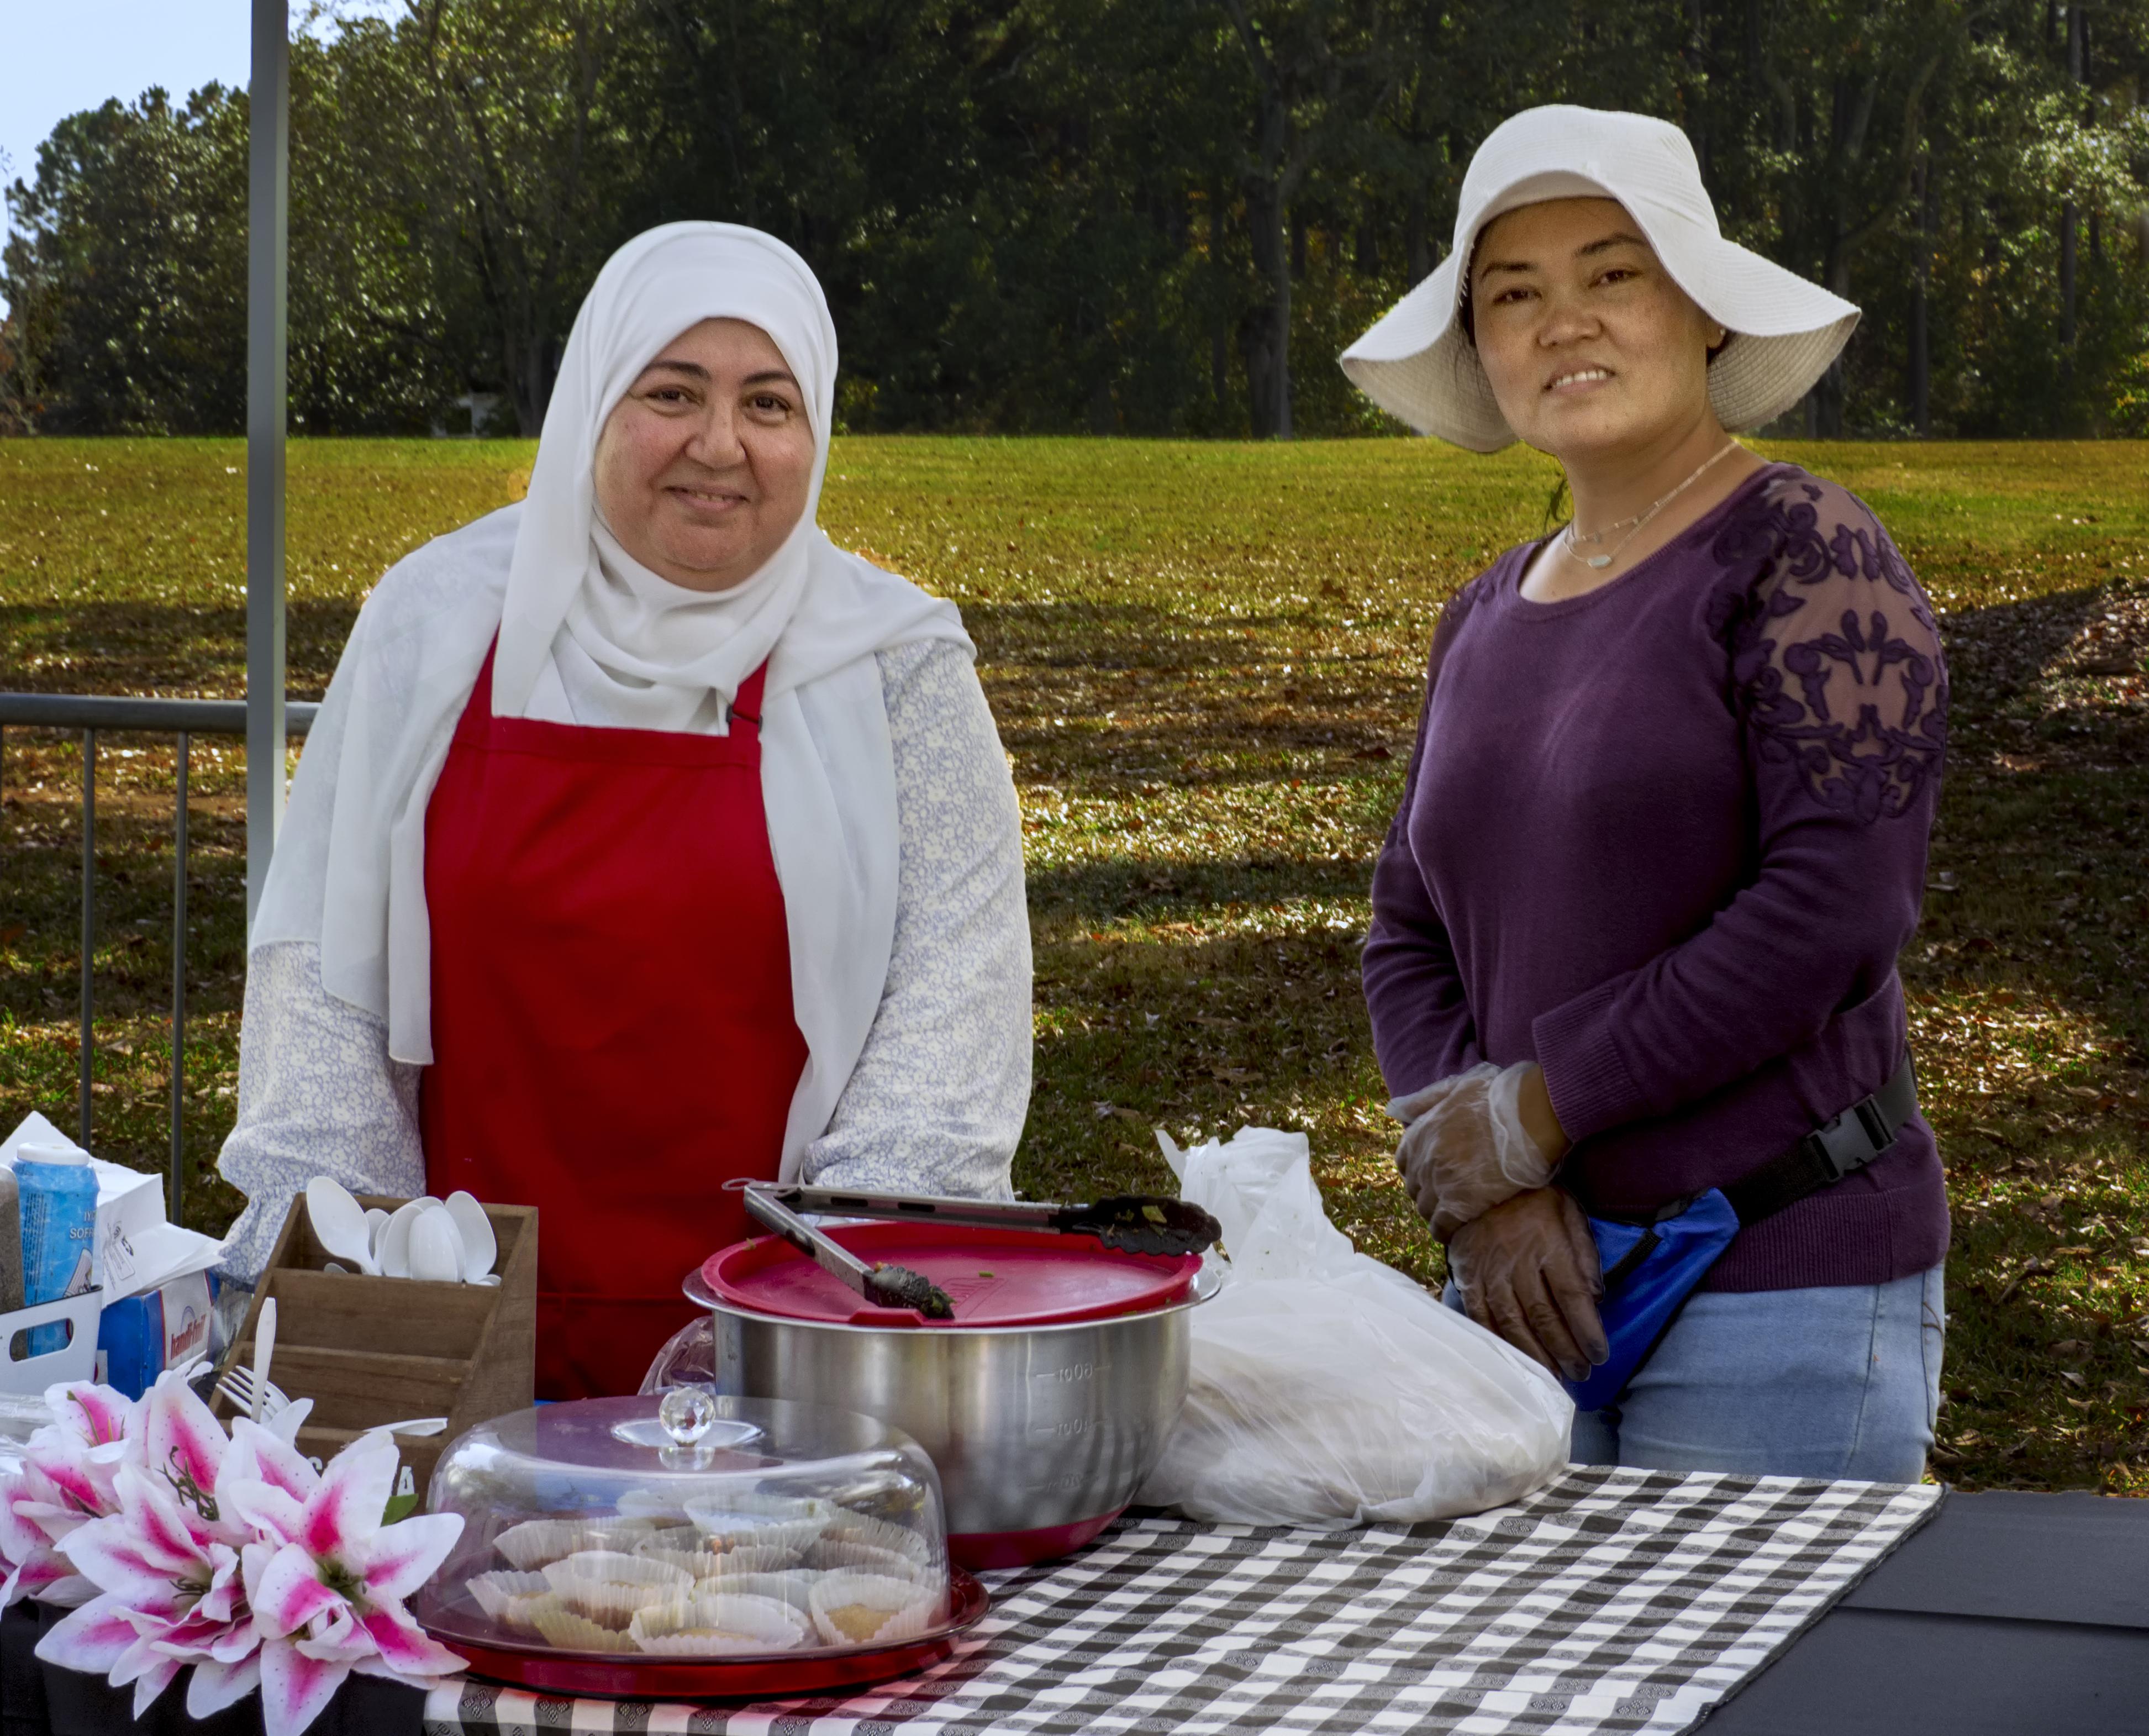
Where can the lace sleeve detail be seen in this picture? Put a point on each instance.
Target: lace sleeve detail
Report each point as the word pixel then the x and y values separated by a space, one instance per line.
pixel 938 1096
pixel 1835 655
pixel 318 1096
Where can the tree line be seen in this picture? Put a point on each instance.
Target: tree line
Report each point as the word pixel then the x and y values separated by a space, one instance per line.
pixel 1140 216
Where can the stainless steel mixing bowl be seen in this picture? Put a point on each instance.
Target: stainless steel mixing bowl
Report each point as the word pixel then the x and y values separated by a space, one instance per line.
pixel 1041 1434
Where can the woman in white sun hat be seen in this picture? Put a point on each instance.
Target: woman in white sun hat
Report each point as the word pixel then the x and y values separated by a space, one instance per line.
pixel 1632 968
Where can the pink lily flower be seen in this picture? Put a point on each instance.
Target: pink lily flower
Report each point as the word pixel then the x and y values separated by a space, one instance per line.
pixel 326 1580
pixel 166 1566
pixel 67 1479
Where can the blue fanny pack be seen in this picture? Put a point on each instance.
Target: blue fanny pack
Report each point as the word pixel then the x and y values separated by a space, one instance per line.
pixel 1649 1269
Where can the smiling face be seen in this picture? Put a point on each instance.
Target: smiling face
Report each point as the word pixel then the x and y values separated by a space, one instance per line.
pixel 702 468
pixel 1592 349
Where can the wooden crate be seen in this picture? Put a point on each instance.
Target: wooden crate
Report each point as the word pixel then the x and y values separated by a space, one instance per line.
pixel 369 1350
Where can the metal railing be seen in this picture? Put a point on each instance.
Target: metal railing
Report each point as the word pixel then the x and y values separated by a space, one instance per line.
pixel 182 718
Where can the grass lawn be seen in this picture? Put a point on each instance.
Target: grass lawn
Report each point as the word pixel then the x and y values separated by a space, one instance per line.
pixel 1205 662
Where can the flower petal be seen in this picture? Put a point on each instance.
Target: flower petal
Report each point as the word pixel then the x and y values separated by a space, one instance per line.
pixel 405 1648
pixel 295 1688
pixel 396 1559
pixel 150 1682
pixel 264 1483
pixel 90 1413
pixel 352 1496
pixel 290 1593
pixel 91 1639
pixel 181 1439
pixel 215 1686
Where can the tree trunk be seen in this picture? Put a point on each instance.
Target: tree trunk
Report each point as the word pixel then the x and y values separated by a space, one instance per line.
pixel 1415 244
pixel 2077 52
pixel 1219 339
pixel 1824 403
pixel 1921 366
pixel 1268 334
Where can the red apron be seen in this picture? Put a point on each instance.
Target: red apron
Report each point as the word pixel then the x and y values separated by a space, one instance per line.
pixel 612 1029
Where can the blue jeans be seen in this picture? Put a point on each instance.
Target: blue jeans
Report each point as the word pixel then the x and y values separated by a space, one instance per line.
pixel 1840 1382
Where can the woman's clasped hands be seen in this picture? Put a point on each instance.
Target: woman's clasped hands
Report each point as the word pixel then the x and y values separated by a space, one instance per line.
pixel 1478 1155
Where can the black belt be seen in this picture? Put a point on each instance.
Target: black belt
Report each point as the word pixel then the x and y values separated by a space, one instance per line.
pixel 1837 1148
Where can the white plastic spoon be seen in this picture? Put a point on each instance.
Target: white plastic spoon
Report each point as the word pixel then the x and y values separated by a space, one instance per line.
pixel 376 1222
pixel 395 1239
pixel 339 1222
pixel 481 1247
pixel 462 1253
pixel 436 1254
pixel 264 1346
pixel 415 1427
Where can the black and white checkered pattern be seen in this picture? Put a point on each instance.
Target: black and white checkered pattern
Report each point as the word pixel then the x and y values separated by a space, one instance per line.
pixel 1615 1600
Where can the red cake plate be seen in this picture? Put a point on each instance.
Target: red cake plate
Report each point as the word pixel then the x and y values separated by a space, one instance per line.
pixel 498 1656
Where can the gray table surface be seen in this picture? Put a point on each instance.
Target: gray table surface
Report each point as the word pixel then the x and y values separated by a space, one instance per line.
pixel 2006 1615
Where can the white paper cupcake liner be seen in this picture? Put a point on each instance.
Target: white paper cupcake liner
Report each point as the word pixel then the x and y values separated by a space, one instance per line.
pixel 736 1521
pixel 536 1543
pixel 844 1606
pixel 608 1586
pixel 560 1626
pixel 685 1547
pixel 719 1626
pixel 793 1587
pixel 502 1596
pixel 863 1529
pixel 833 1558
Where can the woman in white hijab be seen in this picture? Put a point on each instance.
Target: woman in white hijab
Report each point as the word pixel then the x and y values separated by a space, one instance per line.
pixel 646 840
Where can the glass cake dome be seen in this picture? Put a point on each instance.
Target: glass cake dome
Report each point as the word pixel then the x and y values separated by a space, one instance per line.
pixel 685 1527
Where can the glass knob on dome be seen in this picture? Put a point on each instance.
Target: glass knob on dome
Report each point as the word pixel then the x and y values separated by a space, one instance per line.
pixel 686 1414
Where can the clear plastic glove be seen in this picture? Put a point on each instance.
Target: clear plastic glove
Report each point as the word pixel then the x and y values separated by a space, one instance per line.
pixel 1527 1271
pixel 1465 1146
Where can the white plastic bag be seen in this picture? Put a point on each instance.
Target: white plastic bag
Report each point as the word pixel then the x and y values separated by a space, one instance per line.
pixel 1329 1390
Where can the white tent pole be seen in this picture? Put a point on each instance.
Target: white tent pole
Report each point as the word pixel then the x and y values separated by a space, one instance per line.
pixel 268 206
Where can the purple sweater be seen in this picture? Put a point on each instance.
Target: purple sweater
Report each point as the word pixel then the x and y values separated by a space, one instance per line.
pixel 1667 839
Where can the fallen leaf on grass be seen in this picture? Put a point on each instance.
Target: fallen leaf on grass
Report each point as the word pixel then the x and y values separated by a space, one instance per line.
pixel 2034 1269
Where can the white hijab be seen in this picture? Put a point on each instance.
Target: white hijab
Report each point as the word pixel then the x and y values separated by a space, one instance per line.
pixel 586 635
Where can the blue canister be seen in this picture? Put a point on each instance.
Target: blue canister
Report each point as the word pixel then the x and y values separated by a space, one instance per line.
pixel 59 1191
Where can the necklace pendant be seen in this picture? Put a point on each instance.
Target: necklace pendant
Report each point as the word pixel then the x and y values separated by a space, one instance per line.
pixel 1599 562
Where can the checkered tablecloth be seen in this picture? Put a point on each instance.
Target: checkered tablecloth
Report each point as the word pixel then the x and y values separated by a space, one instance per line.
pixel 1615 1600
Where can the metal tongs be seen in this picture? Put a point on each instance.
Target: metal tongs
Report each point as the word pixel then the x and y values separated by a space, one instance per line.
pixel 1134 1223
pixel 885 1286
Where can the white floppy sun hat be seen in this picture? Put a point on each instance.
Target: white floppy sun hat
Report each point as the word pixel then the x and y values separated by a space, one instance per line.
pixel 1418 363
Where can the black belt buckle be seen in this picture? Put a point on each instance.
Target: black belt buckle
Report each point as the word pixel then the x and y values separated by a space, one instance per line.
pixel 1849 1141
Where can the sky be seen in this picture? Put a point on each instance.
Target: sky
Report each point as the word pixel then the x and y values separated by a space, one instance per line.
pixel 59 56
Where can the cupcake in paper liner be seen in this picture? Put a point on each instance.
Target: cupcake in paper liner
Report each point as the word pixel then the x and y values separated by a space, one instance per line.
pixel 764 1522
pixel 561 1627
pixel 871 1609
pixel 830 1557
pixel 793 1586
pixel 608 1586
pixel 651 1506
pixel 536 1543
pixel 713 1626
pixel 506 1597
pixel 863 1529
pixel 684 1545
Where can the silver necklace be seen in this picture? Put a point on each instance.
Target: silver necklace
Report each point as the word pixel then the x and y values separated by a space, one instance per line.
pixel 1571 539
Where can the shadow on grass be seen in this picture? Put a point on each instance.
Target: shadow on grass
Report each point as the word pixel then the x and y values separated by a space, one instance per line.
pixel 164 649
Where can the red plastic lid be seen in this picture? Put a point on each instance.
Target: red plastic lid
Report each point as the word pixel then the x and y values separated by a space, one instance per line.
pixel 994 1277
